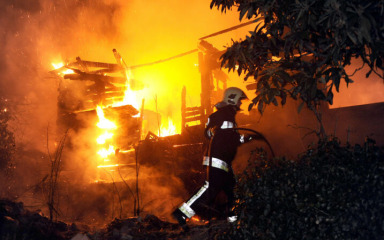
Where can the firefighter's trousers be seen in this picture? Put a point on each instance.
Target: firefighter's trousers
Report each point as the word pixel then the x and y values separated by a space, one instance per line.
pixel 202 201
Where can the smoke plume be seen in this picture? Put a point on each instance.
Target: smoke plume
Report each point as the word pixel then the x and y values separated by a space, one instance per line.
pixel 38 33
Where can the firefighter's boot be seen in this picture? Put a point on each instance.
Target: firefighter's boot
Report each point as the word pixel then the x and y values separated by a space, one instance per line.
pixel 181 219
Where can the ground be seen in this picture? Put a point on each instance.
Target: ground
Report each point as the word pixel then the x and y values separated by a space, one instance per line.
pixel 18 223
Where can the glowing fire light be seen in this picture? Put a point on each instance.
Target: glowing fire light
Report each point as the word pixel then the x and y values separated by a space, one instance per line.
pixel 57 65
pixel 130 97
pixel 104 137
pixel 108 126
pixel 103 122
pixel 168 130
pixel 195 219
pixel 104 153
pixel 60 65
pixel 108 166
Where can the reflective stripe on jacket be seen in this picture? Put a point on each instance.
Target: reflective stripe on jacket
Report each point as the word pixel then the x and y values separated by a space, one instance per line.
pixel 216 163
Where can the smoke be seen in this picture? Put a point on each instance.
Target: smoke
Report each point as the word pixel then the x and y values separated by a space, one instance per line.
pixel 37 33
pixel 362 91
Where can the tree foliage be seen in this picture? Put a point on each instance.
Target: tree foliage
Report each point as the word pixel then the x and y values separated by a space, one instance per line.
pixel 300 48
pixel 332 192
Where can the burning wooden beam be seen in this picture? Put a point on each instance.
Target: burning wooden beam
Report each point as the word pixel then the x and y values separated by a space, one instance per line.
pixel 107 66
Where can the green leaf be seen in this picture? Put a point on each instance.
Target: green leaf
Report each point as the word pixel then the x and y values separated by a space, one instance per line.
pixel 368 73
pixel 270 95
pixel 379 63
pixel 313 91
pixel 283 96
pixel 260 106
pixel 300 107
pixel 250 106
pixel 336 82
pixel 318 39
pixel 284 76
pixel 274 101
pixel 330 96
pixel 256 99
pixel 348 80
pixel 352 37
pixel 242 13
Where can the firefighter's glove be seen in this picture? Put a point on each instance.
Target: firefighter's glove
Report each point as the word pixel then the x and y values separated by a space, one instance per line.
pixel 209 133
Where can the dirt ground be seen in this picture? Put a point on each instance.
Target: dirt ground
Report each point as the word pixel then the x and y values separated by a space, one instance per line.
pixel 18 223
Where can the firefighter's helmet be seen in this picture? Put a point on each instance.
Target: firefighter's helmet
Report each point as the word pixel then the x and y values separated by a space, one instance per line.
pixel 232 96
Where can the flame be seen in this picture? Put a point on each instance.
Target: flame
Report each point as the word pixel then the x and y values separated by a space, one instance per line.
pixel 63 72
pixel 105 137
pixel 103 122
pixel 130 97
pixel 106 147
pixel 104 153
pixel 168 130
pixel 57 65
pixel 197 220
pixel 108 166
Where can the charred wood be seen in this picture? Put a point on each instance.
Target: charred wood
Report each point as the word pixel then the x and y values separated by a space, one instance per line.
pixel 112 66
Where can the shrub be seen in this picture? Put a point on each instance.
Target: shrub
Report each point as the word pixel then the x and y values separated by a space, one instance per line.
pixel 331 192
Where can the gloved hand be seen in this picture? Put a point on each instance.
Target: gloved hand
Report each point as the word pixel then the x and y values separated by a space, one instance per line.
pixel 208 133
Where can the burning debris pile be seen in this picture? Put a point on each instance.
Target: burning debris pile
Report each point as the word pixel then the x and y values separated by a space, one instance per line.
pixel 94 86
pixel 106 95
pixel 90 93
pixel 114 146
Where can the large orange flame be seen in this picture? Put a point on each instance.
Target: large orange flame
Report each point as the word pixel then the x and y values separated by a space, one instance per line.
pixel 107 126
pixel 169 129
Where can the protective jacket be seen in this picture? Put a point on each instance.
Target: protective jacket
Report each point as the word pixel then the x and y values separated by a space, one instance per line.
pixel 224 139
pixel 218 157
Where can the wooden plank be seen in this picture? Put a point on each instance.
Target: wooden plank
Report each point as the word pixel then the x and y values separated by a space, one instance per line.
pixel 191 114
pixel 196 118
pixel 193 108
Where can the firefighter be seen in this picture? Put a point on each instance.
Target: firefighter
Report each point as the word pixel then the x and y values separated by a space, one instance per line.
pixel 218 157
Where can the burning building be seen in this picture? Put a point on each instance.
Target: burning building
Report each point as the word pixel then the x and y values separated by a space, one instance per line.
pixel 91 93
pixel 104 102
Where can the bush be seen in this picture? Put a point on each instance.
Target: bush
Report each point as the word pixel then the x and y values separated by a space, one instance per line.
pixel 331 192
